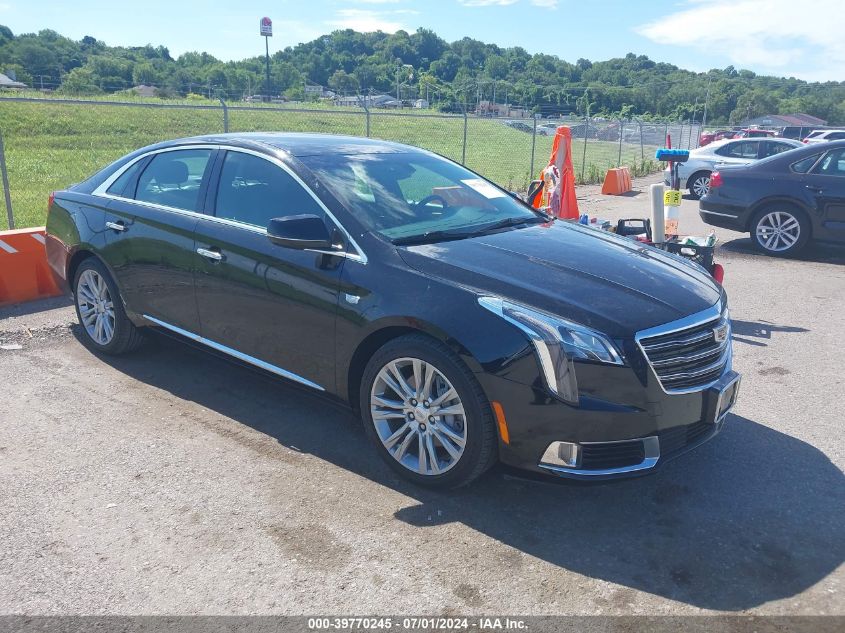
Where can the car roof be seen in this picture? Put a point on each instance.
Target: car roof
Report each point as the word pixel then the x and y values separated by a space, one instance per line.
pixel 799 153
pixel 305 144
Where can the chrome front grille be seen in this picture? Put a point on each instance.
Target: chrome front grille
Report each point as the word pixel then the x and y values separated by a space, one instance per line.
pixel 690 357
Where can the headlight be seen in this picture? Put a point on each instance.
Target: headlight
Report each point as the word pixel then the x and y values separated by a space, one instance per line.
pixel 558 343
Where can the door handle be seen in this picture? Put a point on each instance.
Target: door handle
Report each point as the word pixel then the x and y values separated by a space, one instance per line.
pixel 814 189
pixel 116 226
pixel 210 254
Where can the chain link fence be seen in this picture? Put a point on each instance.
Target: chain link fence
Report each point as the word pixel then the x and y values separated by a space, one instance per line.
pixel 52 143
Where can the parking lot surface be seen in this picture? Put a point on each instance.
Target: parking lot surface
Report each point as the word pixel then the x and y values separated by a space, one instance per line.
pixel 174 482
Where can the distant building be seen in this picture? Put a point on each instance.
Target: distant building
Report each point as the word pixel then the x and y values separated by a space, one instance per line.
pixel 488 108
pixel 145 91
pixel 798 119
pixel 371 101
pixel 421 103
pixel 313 91
pixel 10 84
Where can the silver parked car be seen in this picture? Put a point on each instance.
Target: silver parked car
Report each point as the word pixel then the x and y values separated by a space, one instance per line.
pixel 695 173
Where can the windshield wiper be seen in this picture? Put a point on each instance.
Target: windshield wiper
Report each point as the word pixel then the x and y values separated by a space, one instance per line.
pixel 502 224
pixel 433 236
pixel 440 236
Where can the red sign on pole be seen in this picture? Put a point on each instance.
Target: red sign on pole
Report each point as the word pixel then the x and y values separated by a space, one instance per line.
pixel 266 27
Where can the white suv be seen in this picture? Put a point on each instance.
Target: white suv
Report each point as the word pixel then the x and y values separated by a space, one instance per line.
pixel 821 136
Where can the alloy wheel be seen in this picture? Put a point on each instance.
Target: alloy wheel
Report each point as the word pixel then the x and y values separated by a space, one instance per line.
pixel 778 231
pixel 418 416
pixel 701 186
pixel 96 308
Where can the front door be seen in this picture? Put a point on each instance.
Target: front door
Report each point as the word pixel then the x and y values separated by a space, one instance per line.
pixel 258 300
pixel 826 184
pixel 150 234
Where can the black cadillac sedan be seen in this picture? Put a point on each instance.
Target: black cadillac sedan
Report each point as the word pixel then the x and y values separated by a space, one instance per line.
pixel 783 201
pixel 463 325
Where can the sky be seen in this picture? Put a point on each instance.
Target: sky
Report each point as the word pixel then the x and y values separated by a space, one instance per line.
pixel 779 37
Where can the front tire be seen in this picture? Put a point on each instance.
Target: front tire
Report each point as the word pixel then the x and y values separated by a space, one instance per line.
pixel 99 308
pixel 426 413
pixel 699 185
pixel 780 229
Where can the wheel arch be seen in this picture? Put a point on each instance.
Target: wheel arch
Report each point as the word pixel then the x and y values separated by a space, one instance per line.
pixel 75 260
pixel 767 202
pixel 698 172
pixel 85 252
pixel 386 330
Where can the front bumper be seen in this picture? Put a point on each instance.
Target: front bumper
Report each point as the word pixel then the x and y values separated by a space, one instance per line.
pixel 626 422
pixel 608 460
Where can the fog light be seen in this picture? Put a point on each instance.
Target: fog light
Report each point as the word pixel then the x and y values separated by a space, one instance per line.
pixel 562 454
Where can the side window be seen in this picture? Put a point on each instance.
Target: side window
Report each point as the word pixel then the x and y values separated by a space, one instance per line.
pixel 253 190
pixel 770 148
pixel 118 187
pixel 803 165
pixel 173 179
pixel 835 136
pixel 743 149
pixel 833 164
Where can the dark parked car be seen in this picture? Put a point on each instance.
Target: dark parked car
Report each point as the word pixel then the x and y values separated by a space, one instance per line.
pixel 783 201
pixel 465 326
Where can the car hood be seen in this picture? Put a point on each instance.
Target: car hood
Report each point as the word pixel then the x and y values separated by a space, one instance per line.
pixel 603 281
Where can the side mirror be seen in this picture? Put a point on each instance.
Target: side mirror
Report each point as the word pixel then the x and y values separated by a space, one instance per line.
pixel 300 232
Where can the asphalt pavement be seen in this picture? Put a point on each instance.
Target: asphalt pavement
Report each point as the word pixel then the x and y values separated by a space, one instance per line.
pixel 173 482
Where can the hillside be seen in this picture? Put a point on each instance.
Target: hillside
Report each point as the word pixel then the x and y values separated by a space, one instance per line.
pixel 423 64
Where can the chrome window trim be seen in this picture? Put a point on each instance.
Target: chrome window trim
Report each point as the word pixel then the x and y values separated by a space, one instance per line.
pixel 108 182
pixel 102 192
pixel 699 318
pixel 284 373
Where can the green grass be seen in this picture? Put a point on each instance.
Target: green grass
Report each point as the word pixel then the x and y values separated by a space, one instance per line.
pixel 51 145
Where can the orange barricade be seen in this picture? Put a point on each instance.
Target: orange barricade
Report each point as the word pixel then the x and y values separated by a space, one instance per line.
pixel 24 272
pixel 558 179
pixel 617 181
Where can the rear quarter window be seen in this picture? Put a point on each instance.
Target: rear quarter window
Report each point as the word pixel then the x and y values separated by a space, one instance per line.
pixel 119 187
pixel 804 165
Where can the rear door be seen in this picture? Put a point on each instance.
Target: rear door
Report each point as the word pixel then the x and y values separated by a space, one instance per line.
pixel 826 184
pixel 150 233
pixel 740 152
pixel 257 300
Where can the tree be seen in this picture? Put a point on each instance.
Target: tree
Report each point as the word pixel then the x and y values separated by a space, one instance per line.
pixel 80 81
pixel 343 83
pixel 37 58
pixel 145 74
pixel 349 61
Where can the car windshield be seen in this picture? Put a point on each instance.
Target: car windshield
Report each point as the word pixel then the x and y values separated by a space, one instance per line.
pixel 415 197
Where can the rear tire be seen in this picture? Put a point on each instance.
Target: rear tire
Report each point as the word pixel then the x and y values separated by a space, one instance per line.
pixel 780 229
pixel 699 185
pixel 438 411
pixel 99 308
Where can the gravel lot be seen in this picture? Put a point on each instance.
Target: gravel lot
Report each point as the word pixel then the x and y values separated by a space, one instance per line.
pixel 173 482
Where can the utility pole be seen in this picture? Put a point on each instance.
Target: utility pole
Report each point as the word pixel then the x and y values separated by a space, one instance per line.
pixel 266 29
pixel 399 67
pixel 706 100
